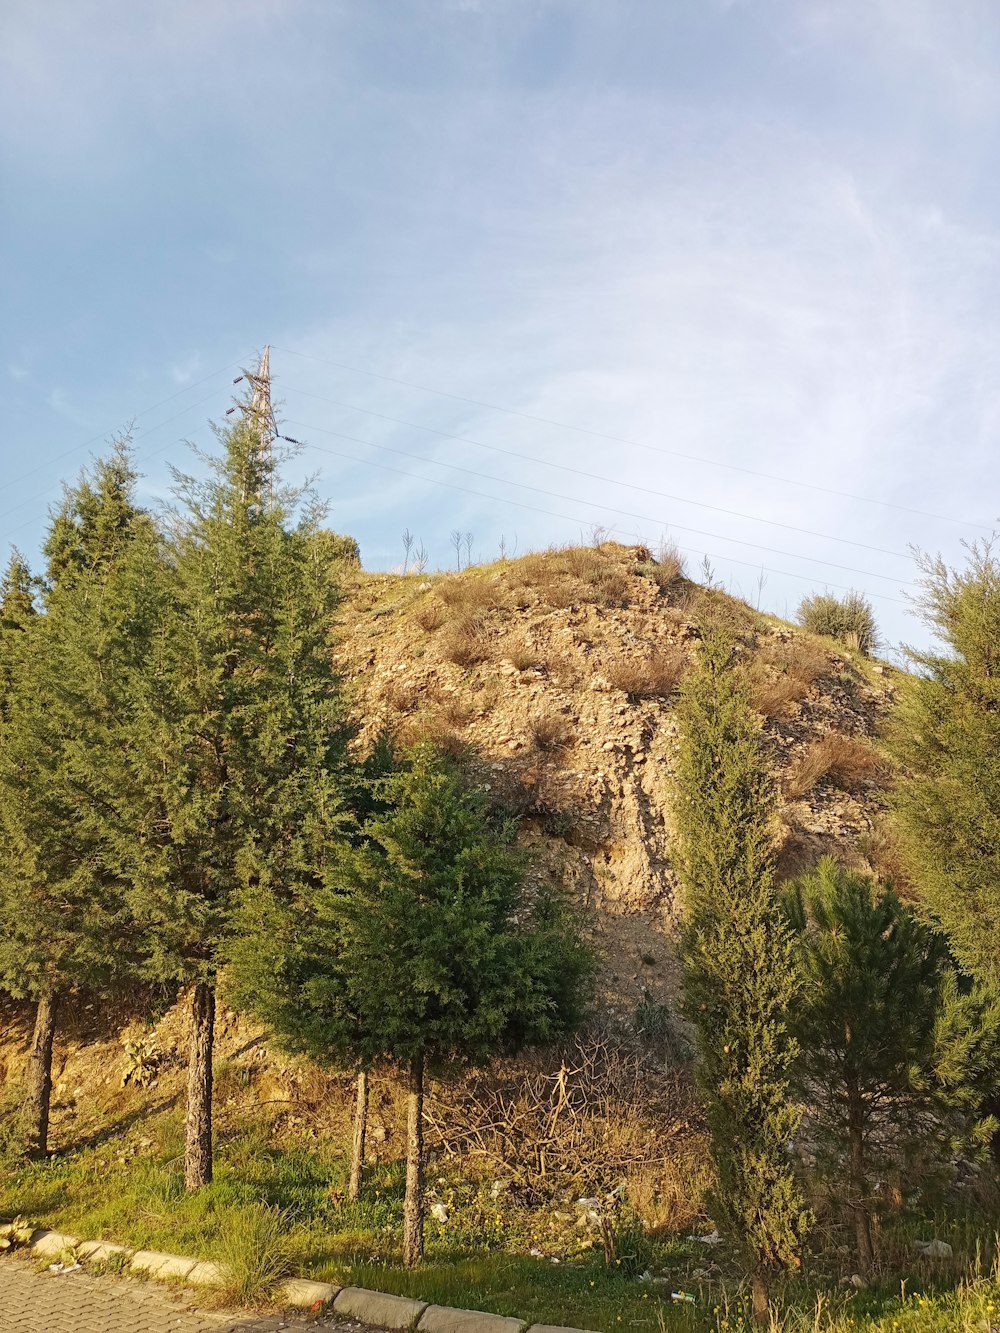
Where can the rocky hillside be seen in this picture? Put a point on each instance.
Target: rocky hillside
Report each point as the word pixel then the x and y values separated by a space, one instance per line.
pixel 554 676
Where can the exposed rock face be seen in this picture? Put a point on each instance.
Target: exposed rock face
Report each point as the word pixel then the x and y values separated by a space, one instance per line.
pixel 554 675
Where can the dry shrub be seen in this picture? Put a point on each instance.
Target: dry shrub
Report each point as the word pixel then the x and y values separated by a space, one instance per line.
pixel 550 729
pixel 667 571
pixel 582 1117
pixel 848 762
pixel 429 615
pixel 401 694
pixel 472 593
pixel 652 677
pixel 521 653
pixel 467 639
pixel 455 710
pixel 784 672
pixel 576 574
pixel 432 728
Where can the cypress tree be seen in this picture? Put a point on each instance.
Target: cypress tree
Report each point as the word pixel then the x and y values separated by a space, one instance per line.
pixel 946 739
pixel 422 946
pixel 69 676
pixel 239 790
pixel 739 967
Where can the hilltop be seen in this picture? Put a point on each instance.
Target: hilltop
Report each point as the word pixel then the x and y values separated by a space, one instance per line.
pixel 553 675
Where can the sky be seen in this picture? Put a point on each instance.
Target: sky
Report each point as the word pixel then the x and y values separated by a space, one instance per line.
pixel 718 272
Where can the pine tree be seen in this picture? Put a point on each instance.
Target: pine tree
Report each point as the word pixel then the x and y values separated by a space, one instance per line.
pixel 423 946
pixel 946 739
pixel 739 969
pixel 64 724
pixel 239 790
pixel 867 1024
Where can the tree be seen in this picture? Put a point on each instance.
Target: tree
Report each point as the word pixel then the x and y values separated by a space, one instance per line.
pixel 867 1024
pixel 238 786
pixel 946 739
pixel 69 675
pixel 423 946
pixel 739 967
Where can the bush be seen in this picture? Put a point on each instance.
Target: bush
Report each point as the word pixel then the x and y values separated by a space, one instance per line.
pixel 848 619
pixel 784 672
pixel 467 640
pixel 550 730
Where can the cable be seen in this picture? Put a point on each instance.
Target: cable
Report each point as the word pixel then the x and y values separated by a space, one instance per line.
pixel 536 509
pixel 637 444
pixel 39 495
pixel 611 481
pixel 626 513
pixel 104 434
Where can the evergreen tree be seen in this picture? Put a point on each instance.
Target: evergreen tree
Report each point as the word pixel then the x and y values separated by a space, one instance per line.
pixel 70 676
pixel 946 738
pixel 239 787
pixel 739 968
pixel 867 1024
pixel 422 946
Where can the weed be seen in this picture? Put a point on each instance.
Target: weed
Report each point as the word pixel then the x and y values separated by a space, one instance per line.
pixel 521 653
pixel 429 615
pixel 652 677
pixel 550 730
pixel 847 761
pixel 467 640
pixel 254 1253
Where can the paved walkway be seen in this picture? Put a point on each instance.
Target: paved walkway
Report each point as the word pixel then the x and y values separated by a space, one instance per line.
pixel 33 1302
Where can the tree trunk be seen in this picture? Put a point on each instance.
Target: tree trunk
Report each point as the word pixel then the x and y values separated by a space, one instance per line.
pixel 761 1299
pixel 198 1143
pixel 413 1206
pixel 859 1193
pixel 360 1129
pixel 40 1075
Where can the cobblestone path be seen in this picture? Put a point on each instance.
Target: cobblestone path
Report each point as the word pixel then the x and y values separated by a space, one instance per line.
pixel 33 1302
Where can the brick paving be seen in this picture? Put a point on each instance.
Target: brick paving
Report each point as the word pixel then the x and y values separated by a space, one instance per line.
pixel 44 1302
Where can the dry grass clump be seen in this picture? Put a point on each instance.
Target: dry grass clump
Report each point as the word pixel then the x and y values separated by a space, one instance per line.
pixel 434 729
pixel 785 672
pixel 652 677
pixel 576 574
pixel 402 694
pixel 468 639
pixel 429 615
pixel 549 729
pixel 520 652
pixel 668 570
pixel 472 593
pixel 847 761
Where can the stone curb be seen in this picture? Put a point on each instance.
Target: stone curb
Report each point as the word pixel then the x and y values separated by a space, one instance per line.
pixel 371 1307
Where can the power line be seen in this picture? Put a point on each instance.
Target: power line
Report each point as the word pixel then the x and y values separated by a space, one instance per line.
pixel 94 439
pixel 536 509
pixel 637 444
pixel 612 481
pixel 611 509
pixel 40 495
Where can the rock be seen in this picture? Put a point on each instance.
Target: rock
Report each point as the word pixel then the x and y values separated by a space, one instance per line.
pixel 933 1249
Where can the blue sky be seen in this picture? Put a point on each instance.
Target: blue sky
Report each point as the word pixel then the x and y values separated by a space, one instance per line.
pixel 719 238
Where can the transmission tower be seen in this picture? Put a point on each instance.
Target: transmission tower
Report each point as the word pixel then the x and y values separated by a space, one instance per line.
pixel 261 414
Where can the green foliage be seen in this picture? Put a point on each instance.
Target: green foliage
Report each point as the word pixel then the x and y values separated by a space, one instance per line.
pixel 739 972
pixel 866 1021
pixel 254 1254
pixel 421 944
pixel 850 619
pixel 72 677
pixel 242 734
pixel 946 738
pixel 334 550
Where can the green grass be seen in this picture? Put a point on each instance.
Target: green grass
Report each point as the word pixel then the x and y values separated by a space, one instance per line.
pixel 130 1189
